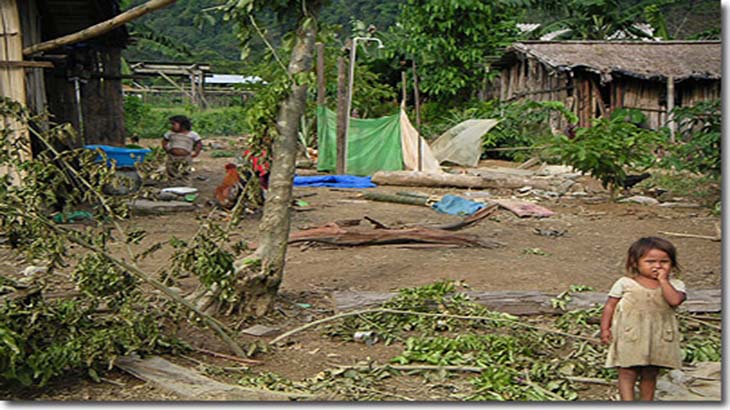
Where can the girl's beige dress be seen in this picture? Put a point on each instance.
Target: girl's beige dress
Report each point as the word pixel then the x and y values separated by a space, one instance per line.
pixel 644 327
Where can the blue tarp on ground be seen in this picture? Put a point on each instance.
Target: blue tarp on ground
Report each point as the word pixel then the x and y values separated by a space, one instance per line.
pixel 454 205
pixel 334 181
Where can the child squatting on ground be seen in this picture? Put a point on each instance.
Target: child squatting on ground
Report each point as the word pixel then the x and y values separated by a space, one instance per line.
pixel 639 322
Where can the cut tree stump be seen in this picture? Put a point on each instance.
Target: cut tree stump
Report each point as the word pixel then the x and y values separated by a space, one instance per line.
pixel 529 302
pixel 192 385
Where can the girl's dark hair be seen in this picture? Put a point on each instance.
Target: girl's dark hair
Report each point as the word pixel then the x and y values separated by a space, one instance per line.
pixel 183 121
pixel 644 245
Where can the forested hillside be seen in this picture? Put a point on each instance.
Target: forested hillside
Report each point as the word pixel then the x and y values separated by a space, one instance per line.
pixel 189 29
pixel 184 24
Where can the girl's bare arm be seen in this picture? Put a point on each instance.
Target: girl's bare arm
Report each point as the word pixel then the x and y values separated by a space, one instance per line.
pixel 671 295
pixel 606 318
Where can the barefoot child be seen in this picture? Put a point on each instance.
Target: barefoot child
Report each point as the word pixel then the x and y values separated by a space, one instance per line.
pixel 638 321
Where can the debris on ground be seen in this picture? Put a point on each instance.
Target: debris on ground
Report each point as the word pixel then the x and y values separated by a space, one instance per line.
pixel 524 208
pixel 334 234
pixel 72 217
pixel 554 233
pixel 701 381
pixel 146 206
pixel 454 205
pixel 334 181
pixel 640 199
pixel 192 385
pixel 260 330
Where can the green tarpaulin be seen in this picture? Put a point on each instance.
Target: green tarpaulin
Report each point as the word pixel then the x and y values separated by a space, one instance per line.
pixel 373 144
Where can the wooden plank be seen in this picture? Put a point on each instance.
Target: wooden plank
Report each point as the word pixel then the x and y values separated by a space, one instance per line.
pixel 26 64
pixel 189 384
pixel 529 302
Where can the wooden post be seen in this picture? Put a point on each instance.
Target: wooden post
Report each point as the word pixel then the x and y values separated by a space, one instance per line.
pixel 321 86
pixel 418 115
pixel 670 107
pixel 404 81
pixel 341 114
pixel 12 78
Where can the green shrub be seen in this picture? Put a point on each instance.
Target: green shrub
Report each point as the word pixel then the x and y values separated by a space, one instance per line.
pixel 699 139
pixel 608 148
pixel 147 121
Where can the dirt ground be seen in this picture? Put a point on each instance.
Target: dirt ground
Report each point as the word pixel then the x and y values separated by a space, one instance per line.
pixel 592 252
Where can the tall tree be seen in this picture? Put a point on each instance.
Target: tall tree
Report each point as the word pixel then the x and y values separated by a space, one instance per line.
pixel 258 276
pixel 600 19
pixel 452 40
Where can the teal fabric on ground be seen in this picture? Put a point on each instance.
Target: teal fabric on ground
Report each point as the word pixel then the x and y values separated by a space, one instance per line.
pixel 454 205
pixel 374 144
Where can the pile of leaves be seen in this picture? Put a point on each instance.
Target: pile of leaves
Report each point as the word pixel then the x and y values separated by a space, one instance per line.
pixel 485 354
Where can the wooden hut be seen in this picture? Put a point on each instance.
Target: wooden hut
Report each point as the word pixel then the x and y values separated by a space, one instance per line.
pixel 594 78
pixel 79 82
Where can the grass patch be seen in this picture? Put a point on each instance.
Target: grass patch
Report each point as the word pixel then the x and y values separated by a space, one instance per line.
pixel 703 189
pixel 221 153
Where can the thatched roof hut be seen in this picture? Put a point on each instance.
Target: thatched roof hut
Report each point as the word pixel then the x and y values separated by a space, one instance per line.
pixel 596 77
pixel 645 60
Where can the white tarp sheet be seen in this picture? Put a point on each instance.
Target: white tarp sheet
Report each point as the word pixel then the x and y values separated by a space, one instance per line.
pixel 462 144
pixel 409 144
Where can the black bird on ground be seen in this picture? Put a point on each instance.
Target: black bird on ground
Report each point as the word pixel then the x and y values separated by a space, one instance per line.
pixel 632 180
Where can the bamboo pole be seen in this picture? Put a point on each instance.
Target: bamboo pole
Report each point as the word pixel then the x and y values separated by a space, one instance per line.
pixel 670 107
pixel 321 85
pixel 341 115
pixel 96 29
pixel 418 116
pixel 404 81
pixel 12 78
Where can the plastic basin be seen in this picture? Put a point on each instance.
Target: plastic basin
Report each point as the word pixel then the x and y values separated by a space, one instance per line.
pixel 124 157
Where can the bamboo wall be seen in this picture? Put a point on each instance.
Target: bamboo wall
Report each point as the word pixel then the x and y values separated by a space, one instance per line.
pixel 581 92
pixel 12 75
pixel 531 79
pixel 30 22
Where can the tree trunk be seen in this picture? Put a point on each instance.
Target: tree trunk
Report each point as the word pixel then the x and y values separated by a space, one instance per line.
pixel 261 274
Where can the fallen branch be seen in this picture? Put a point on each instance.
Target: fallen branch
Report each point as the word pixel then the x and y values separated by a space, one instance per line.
pixel 378 224
pixel 689 235
pixel 473 219
pixel 472 369
pixel 444 315
pixel 227 357
pixel 211 322
pixel 360 236
pixel 591 380
pixel 398 199
pixel 701 322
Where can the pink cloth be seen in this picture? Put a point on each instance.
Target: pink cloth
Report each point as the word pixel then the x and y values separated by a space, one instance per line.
pixel 524 208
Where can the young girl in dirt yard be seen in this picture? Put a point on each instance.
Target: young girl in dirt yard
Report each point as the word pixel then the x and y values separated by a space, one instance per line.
pixel 181 145
pixel 638 321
